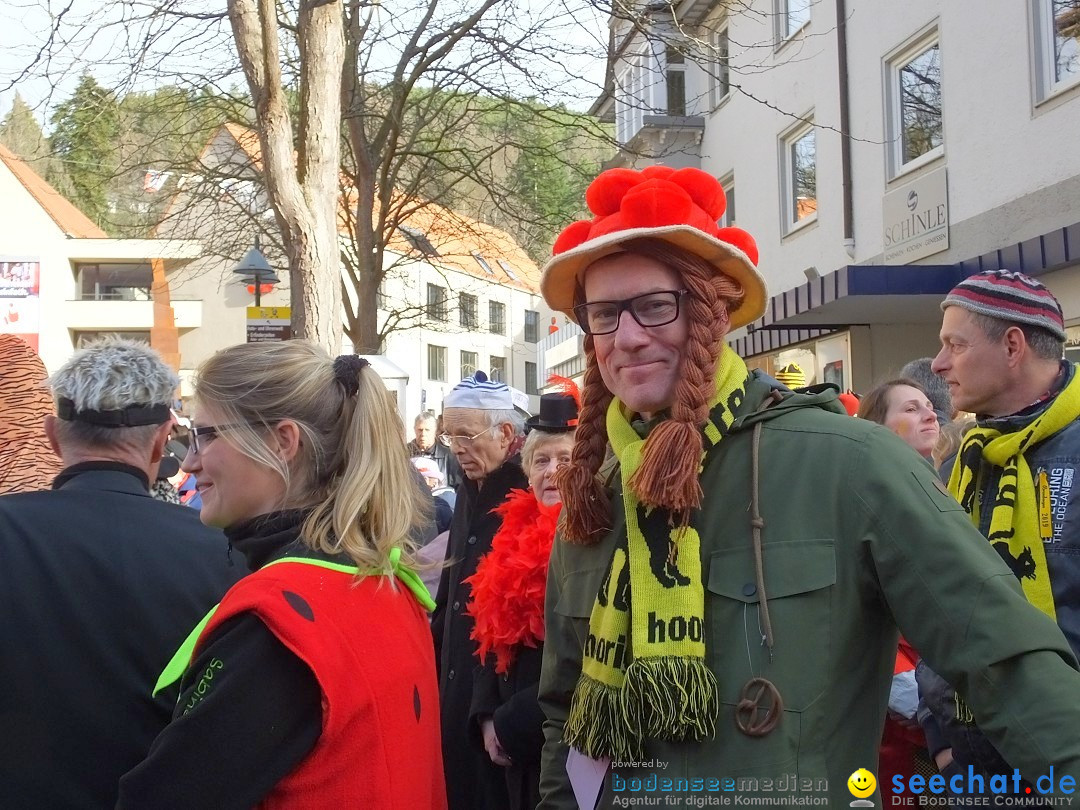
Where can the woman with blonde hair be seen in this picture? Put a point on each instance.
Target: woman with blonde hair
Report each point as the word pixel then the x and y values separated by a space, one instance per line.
pixel 312 683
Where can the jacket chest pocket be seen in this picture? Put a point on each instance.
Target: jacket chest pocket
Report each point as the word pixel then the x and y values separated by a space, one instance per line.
pixel 799 577
pixel 579 590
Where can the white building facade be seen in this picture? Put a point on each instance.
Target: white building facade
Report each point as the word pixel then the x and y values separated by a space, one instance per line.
pixel 878 152
pixel 64 282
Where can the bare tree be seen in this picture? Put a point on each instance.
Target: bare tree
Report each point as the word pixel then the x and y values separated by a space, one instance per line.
pixel 300 179
pixel 446 105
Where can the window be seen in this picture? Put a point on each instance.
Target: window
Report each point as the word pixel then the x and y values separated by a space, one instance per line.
pixel 496 318
pixel 467 311
pixel 531 386
pixel 418 240
pixel 1057 45
pixel 480 260
pixel 675 79
pixel 799 175
pixel 508 269
pixel 914 104
pixel 436 363
pixel 791 16
pixel 114 282
pixel 436 302
pixel 498 369
pixel 728 184
pixel 381 301
pixel 719 72
pixel 631 103
pixel 469 362
pixel 532 326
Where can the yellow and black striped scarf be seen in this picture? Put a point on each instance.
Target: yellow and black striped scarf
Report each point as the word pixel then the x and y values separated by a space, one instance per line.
pixel 1021 521
pixel 643 665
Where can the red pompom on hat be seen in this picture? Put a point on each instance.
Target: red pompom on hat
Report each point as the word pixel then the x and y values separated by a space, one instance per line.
pixel 679 206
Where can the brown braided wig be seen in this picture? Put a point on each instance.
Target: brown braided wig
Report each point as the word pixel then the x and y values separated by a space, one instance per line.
pixel 668 476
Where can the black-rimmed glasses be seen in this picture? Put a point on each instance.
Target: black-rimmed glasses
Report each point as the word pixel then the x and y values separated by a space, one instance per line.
pixel 207 432
pixel 651 309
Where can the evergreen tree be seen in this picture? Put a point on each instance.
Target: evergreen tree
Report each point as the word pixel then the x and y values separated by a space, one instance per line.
pixel 22 134
pixel 86 128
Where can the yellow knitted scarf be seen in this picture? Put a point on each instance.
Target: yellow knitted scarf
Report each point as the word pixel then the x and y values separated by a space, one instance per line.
pixel 643 665
pixel 1021 520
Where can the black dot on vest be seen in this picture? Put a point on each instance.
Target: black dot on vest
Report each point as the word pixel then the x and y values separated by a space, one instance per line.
pixel 297 603
pixel 416 702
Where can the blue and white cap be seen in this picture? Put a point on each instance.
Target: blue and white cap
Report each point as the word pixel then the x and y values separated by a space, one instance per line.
pixel 480 393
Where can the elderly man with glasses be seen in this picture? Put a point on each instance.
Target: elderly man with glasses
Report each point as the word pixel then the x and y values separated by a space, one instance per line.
pixel 484 433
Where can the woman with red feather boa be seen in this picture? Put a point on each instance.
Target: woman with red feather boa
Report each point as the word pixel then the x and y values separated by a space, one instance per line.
pixel 508 604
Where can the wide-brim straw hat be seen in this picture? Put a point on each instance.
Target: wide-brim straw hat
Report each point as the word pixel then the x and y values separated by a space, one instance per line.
pixel 680 207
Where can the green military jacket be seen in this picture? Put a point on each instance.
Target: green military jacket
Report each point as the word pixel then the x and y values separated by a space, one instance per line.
pixel 859 538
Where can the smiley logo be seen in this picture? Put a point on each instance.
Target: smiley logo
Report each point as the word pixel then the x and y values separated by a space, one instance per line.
pixel 861 783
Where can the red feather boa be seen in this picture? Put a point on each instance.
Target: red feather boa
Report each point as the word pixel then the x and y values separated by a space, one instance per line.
pixel 509 584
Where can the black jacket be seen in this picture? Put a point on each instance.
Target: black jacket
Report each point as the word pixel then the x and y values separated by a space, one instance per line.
pixel 99 585
pixel 511 701
pixel 473 782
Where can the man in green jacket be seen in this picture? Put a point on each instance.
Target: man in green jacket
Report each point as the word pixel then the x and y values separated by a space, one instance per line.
pixel 723 602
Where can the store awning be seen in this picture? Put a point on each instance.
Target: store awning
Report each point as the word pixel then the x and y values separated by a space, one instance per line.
pixel 891 294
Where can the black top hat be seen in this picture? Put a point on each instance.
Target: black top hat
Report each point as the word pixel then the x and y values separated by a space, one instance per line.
pixel 558 414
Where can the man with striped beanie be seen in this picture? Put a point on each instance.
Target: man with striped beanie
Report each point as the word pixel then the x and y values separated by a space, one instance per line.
pixel 485 433
pixel 1002 346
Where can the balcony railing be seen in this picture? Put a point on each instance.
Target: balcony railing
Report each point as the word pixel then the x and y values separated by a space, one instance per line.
pixel 90 313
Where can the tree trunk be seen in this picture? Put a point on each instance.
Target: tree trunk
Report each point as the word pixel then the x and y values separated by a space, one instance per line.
pixel 301 179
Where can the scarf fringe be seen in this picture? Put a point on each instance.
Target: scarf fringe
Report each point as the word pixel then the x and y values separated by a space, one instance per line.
pixel 671 697
pixel 596 725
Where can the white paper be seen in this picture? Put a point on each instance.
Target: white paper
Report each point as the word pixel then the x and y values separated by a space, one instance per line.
pixel 586 777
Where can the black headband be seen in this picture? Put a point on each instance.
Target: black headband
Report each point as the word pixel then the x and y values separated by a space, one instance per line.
pixel 347 367
pixel 131 416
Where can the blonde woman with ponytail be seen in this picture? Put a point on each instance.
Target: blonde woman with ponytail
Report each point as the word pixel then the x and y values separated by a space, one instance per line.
pixel 312 683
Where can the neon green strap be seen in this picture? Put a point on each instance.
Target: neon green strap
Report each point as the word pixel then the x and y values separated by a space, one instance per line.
pixel 181 659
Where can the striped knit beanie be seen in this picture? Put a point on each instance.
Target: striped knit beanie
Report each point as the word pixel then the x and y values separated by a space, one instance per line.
pixel 1010 296
pixel 480 393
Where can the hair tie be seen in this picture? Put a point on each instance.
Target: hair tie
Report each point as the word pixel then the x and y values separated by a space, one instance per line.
pixel 347 369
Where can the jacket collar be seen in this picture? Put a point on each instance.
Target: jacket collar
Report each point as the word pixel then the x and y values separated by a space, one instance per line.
pixel 497 483
pixel 106 476
pixel 266 537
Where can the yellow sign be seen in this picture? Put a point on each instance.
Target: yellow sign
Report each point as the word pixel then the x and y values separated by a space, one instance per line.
pixel 269 313
pixel 268 323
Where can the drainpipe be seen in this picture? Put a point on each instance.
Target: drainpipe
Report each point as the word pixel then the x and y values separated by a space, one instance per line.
pixel 845 133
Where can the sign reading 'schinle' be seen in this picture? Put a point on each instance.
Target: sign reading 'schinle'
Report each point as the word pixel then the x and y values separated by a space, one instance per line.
pixel 916 219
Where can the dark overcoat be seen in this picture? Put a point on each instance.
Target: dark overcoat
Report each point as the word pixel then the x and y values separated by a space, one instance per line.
pixel 99 585
pixel 473 782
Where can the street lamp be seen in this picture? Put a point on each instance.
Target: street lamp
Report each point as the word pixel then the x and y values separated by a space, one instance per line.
pixel 255 269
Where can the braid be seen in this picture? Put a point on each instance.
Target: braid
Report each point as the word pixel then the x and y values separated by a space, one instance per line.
pixel 586 509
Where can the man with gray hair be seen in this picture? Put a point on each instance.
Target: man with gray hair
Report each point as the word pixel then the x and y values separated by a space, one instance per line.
pixel 426 445
pixel 100 585
pixel 485 435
